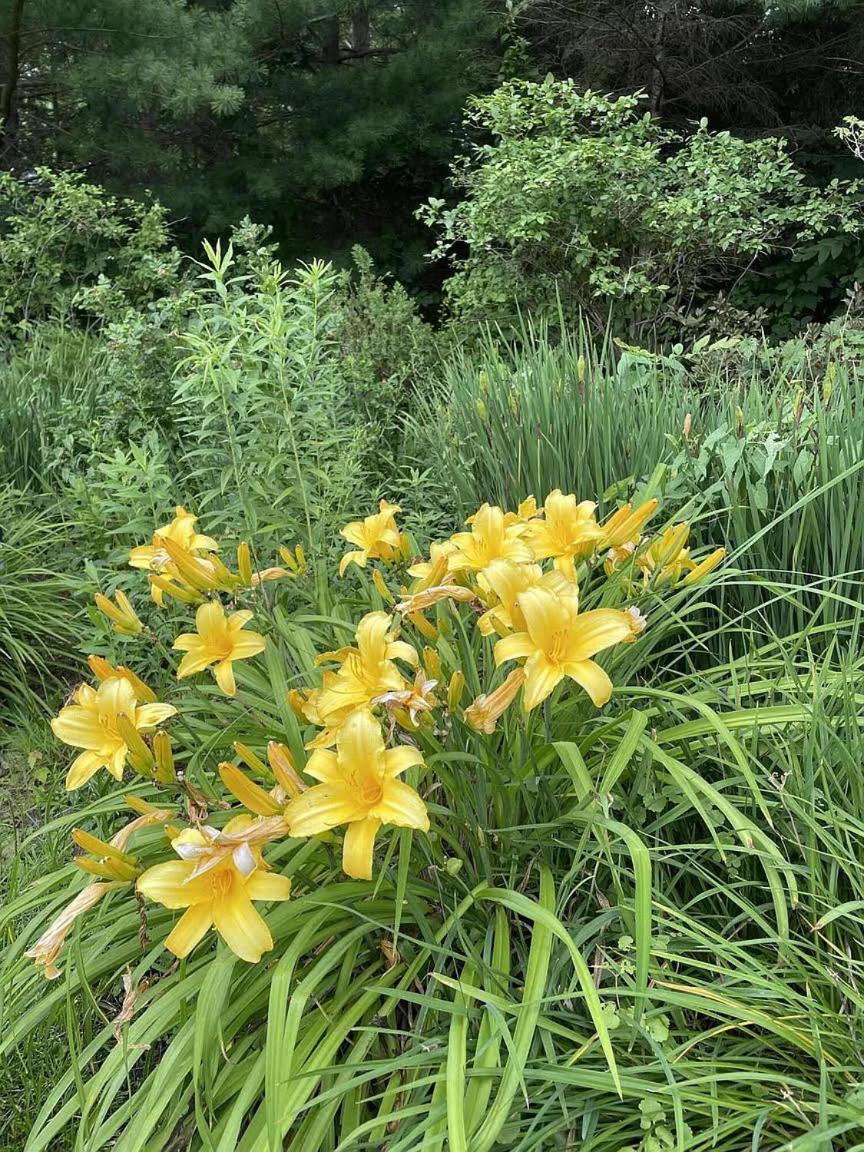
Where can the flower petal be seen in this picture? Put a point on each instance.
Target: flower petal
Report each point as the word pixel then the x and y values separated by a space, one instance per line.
pixel 169 884
pixel 78 727
pixel 189 930
pixel 238 620
pixel 515 647
pixel 320 808
pixel 402 806
pixel 247 644
pixel 396 760
pixel 541 678
pixel 196 660
pixel 150 715
pixel 323 765
pixel 599 629
pixel 592 678
pixel 240 926
pixel 82 768
pixel 358 847
pixel 224 674
pixel 268 886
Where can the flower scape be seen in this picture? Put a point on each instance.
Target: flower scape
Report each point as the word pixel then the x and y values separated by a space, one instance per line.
pixel 546 595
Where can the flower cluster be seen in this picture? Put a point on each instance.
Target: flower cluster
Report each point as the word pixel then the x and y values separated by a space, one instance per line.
pixel 542 591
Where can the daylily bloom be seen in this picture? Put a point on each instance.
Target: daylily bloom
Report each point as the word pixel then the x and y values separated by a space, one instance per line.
pixel 503 582
pixel 434 570
pixel 121 614
pixel 625 525
pixel 560 642
pixel 486 710
pixel 154 557
pixel 376 537
pixel 526 511
pixel 47 948
pixel 216 884
pixel 367 671
pixel 219 641
pixel 567 533
pixel 91 723
pixel 490 539
pixel 359 787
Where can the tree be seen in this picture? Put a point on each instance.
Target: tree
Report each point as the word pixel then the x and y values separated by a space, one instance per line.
pixel 329 120
pixel 590 201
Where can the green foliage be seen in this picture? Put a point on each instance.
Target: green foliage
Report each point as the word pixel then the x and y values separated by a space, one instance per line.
pixel 329 121
pixel 38 625
pixel 742 431
pixel 70 248
pixel 581 200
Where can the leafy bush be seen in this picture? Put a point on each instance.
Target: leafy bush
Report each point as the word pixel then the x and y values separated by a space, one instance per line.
pixel 68 247
pixel 580 200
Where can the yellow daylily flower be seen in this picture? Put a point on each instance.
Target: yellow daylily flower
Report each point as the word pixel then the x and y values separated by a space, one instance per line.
pixel 428 573
pixel 503 582
pixel 490 538
pixel 367 671
pixel 560 642
pixel 216 887
pixel 359 787
pixel 526 511
pixel 47 948
pixel 567 533
pixel 181 531
pixel 91 723
pixel 376 537
pixel 155 557
pixel 487 709
pixel 121 614
pixel 219 641
pixel 624 526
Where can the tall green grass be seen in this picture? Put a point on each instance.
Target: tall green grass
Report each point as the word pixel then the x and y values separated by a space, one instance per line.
pixel 767 458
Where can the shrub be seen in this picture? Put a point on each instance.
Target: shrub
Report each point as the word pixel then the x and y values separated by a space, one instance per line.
pixel 581 200
pixel 69 248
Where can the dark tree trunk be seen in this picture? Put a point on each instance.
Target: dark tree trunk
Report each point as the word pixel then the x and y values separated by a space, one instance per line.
pixel 331 40
pixel 8 110
pixel 360 37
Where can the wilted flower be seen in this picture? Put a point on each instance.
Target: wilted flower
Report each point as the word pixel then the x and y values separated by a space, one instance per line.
pixel 487 709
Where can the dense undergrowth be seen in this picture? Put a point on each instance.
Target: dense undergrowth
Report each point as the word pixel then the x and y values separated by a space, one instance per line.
pixel 632 926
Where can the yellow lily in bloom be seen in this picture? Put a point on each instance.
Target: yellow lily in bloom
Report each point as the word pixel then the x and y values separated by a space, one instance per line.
pixel 47 948
pixel 219 641
pixel 490 539
pixel 560 642
pixel 428 573
pixel 181 531
pixel 102 670
pixel 503 582
pixel 368 671
pixel 376 537
pixel 121 614
pixel 487 709
pixel 667 558
pixel 567 533
pixel 216 887
pixel 154 557
pixel 358 788
pixel 91 723
pixel 624 526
